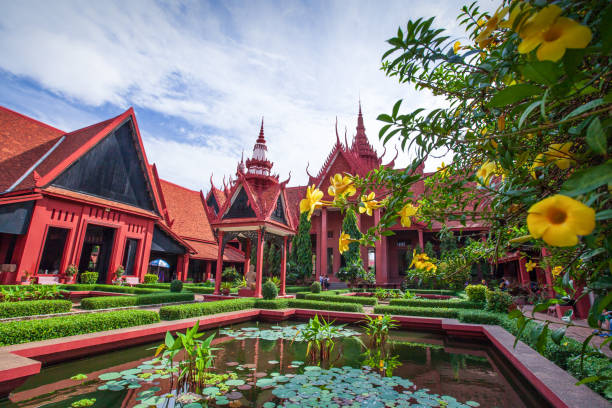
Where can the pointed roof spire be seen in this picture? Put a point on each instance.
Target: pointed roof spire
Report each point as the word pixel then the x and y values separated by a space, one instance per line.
pixel 261 138
pixel 360 126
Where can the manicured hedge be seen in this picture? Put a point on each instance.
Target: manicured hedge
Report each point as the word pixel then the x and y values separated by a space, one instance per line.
pixel 295 289
pixel 111 288
pixel 418 311
pixel 123 301
pixel 313 304
pixel 453 304
pixel 34 307
pixel 271 304
pixel 201 309
pixel 362 300
pixel 301 295
pixel 55 327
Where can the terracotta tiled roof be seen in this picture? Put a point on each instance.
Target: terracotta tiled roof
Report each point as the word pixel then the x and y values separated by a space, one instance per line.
pixel 23 141
pixel 219 196
pixel 186 211
pixel 97 200
pixel 294 196
pixel 205 250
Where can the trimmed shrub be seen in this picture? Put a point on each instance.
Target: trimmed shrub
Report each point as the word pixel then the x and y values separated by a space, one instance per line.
pixel 369 301
pixel 203 290
pixel 203 309
pixel 315 287
pixel 302 295
pixel 433 291
pixel 106 302
pixel 453 304
pixel 269 290
pixel 417 311
pixel 89 278
pixel 176 286
pixel 476 293
pixel 295 289
pixel 150 278
pixel 482 317
pixel 313 304
pixel 498 301
pixel 62 326
pixel 112 288
pixel 271 304
pixel 34 307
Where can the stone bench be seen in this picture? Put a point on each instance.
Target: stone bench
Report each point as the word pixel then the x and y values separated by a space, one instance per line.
pixel 48 280
pixel 132 280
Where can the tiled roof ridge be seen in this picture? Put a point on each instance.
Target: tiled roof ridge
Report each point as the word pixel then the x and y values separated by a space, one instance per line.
pixel 38 122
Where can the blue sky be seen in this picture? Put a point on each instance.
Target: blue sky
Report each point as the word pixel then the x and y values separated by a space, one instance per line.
pixel 200 75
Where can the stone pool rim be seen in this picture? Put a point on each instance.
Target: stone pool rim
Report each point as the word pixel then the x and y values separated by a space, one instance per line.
pixel 556 386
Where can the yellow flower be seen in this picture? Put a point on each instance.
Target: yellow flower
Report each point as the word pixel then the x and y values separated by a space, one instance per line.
pixel 312 200
pixel 379 317
pixel 553 34
pixel 559 154
pixel 481 22
pixel 341 185
pixel 382 364
pixel 456 47
pixel 405 213
pixel 556 271
pixel 485 172
pixel 368 203
pixel 559 220
pixel 530 265
pixel 539 161
pixel 501 122
pixel 344 241
pixel 484 38
pixel 442 170
pixel 519 9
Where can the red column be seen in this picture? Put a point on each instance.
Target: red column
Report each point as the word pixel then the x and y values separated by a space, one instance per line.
pixel 146 251
pixel 27 254
pixel 323 251
pixel 247 256
pixel 117 252
pixel 548 274
pixel 259 270
pixel 381 255
pixel 208 269
pixel 185 260
pixel 523 274
pixel 421 243
pixel 283 271
pixel 219 264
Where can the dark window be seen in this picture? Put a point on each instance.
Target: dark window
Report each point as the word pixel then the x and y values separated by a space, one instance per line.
pixel 53 251
pixel 212 203
pixel 330 234
pixel 163 242
pixel 129 255
pixel 112 169
pixel 240 207
pixel 279 212
pixel 330 261
pixel 15 218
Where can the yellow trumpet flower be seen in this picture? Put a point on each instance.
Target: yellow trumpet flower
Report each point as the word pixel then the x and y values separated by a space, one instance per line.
pixel 312 201
pixel 405 213
pixel 485 172
pixel 556 271
pixel 341 185
pixel 530 265
pixel 456 47
pixel 343 242
pixel 559 220
pixel 368 203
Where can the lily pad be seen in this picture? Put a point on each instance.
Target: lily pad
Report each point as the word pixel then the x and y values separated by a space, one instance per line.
pixel 109 376
pixel 234 382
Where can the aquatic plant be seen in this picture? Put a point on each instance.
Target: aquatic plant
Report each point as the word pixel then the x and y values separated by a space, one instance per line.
pixel 293 332
pixel 83 403
pixel 378 329
pixel 319 334
pixel 379 360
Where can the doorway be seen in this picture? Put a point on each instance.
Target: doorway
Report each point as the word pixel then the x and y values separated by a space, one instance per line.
pixel 97 249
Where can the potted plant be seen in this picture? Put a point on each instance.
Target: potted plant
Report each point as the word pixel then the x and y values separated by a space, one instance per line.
pixel 225 288
pixel 26 279
pixel 119 274
pixel 70 273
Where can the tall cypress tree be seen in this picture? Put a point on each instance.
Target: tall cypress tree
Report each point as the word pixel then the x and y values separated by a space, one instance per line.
pixel 301 252
pixel 349 226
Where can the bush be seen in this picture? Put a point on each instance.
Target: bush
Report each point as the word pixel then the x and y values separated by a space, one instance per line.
pixel 203 309
pixel 418 311
pixel 54 327
pixel 482 317
pixel 107 302
pixel 313 304
pixel 453 304
pixel 89 277
pixel 112 288
pixel 433 291
pixel 592 366
pixel 476 293
pixel 176 286
pixel 498 301
pixel 369 301
pixel 34 307
pixel 203 290
pixel 315 287
pixel 302 295
pixel 295 289
pixel 150 278
pixel 269 290
pixel 271 304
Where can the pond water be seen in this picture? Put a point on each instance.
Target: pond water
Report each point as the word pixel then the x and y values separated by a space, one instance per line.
pixel 265 365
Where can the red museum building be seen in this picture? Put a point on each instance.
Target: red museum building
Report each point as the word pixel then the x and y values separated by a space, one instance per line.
pixel 91 198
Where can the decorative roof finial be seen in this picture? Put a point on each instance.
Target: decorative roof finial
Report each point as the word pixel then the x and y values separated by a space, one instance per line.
pixel 261 138
pixel 337 137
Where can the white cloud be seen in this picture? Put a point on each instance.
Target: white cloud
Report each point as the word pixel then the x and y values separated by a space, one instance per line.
pixel 220 68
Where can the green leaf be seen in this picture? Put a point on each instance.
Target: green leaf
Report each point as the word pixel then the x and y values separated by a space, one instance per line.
pixel 514 314
pixel 557 334
pixel 514 94
pixel 583 181
pixel 542 72
pixel 605 30
pixel 603 215
pixel 584 108
pixel 385 118
pixel 540 307
pixel 396 108
pixel 596 138
pixel 527 111
pixel 587 380
pixel 541 343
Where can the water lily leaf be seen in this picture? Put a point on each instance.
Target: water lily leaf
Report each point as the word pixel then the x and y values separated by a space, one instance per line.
pixel 109 376
pixel 234 382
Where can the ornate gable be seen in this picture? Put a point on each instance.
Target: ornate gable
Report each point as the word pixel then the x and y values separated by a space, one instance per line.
pixel 240 207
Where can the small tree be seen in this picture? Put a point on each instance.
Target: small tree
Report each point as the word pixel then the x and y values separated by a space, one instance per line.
pixel 302 248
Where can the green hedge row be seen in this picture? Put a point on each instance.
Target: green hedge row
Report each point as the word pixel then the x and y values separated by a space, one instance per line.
pixel 111 288
pixel 313 304
pixel 295 289
pixel 453 304
pixel 418 311
pixel 362 300
pixel 271 304
pixel 207 308
pixel 55 327
pixel 34 307
pixel 107 302
pixel 202 290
